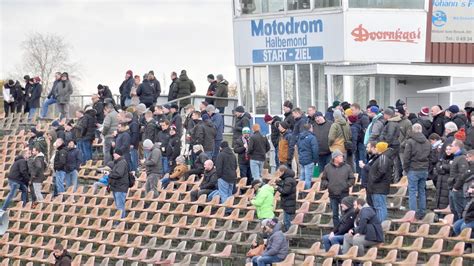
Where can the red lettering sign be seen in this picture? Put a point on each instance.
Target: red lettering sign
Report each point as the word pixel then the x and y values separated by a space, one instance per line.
pixel 361 34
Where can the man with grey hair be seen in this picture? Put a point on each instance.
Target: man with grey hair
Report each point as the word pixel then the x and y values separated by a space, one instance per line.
pixel 416 163
pixel 222 90
pixel 450 128
pixel 209 181
pixel 218 122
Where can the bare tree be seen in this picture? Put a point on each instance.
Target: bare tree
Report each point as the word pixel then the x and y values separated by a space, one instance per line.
pixel 47 53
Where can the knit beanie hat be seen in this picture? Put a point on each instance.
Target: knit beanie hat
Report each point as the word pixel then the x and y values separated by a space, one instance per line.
pixel 246 130
pixel 381 146
pixel 147 144
pixel 425 111
pixel 267 118
pixel 335 104
pixel 374 109
pixel 460 135
pixel 352 118
pixel 336 153
pixel 348 201
pixel 348 112
pixel 453 109
pixel 345 105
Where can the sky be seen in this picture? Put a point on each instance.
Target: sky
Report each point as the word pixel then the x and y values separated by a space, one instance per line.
pixel 110 37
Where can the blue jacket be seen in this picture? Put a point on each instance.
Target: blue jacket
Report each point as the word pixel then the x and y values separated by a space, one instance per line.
pixel 298 127
pixel 104 180
pixel 277 245
pixel 356 130
pixel 369 225
pixel 74 158
pixel 308 148
pixel 218 122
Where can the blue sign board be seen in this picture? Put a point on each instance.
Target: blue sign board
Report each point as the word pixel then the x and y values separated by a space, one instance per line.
pixel 287 54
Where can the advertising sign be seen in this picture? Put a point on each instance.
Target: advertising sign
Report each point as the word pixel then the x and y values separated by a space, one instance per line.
pixel 387 37
pixel 289 39
pixel 453 21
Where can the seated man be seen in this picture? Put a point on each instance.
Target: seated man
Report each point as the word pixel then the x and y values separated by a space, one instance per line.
pixel 179 171
pixel 277 246
pixel 103 181
pixel 61 255
pixel 198 166
pixel 263 201
pixel 209 182
pixel 368 230
pixel 345 224
pixel 467 220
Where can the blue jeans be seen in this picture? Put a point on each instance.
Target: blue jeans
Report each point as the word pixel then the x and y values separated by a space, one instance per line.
pixel 277 161
pixel 287 218
pixel 460 225
pixel 44 108
pixel 361 155
pixel 457 202
pixel 307 174
pixel 265 260
pixel 59 177
pixel 31 114
pixel 85 146
pixel 225 189
pixel 256 167
pixel 336 239
pixel 380 206
pixel 71 179
pixel 165 182
pixel 134 159
pixel 323 160
pixel 14 186
pixel 417 191
pixel 217 146
pixel 335 202
pixel 119 199
pixel 166 166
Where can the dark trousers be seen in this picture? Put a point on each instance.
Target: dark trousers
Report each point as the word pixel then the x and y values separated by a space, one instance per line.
pixel 195 194
pixel 323 161
pixel 8 107
pixel 335 202
pixel 245 172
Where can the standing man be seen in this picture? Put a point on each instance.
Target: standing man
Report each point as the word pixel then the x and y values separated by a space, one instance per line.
pixel 98 106
pixel 52 96
pixel 453 115
pixel 308 151
pixel 226 167
pixel 88 133
pixel 155 85
pixel 154 166
pixel 8 97
pixel 126 89
pixel 145 92
pixel 60 162
pixel 275 133
pixel 286 185
pixel 242 119
pixel 258 146
pixel 173 89
pixel 185 88
pixel 119 180
pixel 416 163
pixel 379 179
pixel 211 90
pixel 222 90
pixel 109 127
pixel 337 177
pixel 37 169
pixel 364 121
pixel 123 142
pixel 74 160
pixel 340 135
pixel 241 148
pixel 391 134
pixel 218 122
pixel 457 179
pixel 287 112
pixel 34 97
pixel 439 119
pixel 300 121
pixel 134 127
pixel 64 92
pixel 175 119
pixel 286 144
pixel 163 140
pixel 374 130
pixel 18 178
pixel 321 130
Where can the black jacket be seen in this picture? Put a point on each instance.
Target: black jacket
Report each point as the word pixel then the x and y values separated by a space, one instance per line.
pixel 64 260
pixel 134 132
pixel 287 188
pixel 417 153
pixel 106 93
pixel 242 153
pixel 209 135
pixel 198 166
pixel 60 159
pixel 99 112
pixel 146 93
pixel 174 147
pixel 437 126
pixel 173 90
pixel 289 119
pixel 460 120
pixel 442 188
pixel 337 179
pixel 211 90
pixel 118 177
pixel 457 172
pixel 35 95
pixel 369 225
pixel 126 88
pixel 380 174
pixel 151 131
pixel 346 222
pixel 89 123
pixel 275 133
pixel 74 158
pixel 210 180
pixel 321 132
pixel 469 143
pixel 468 213
pixel 258 147
pixel 155 84
pixel 177 121
pixel 19 171
pixel 240 123
pixel 425 125
pixel 226 166
pixel 122 142
pixel 37 168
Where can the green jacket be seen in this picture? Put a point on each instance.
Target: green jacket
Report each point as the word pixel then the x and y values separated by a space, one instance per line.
pixel 263 202
pixel 184 88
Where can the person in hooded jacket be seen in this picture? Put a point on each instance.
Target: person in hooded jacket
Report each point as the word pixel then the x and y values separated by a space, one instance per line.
pixel 308 151
pixel 175 119
pixel 38 140
pixel 37 167
pixel 346 223
pixel 443 168
pixel 155 84
pixel 198 165
pixel 242 119
pixel 226 167
pixel 126 89
pixel 164 139
pixel 174 147
pixel 98 106
pixel 286 185
pixel 218 122
pixel 74 159
pixel 208 183
pixel 435 153
pixel 286 144
pixel 173 89
pixel 209 137
pixel 178 172
pixel 405 132
pixel 391 135
pixel 263 200
pixel 34 97
pixel 185 88
pixel 62 256
pixel 64 92
pixel 321 129
pixel 277 247
pixel 132 120
pixel 257 148
pixel 416 163
pixel 59 166
pixel 287 113
pixel 274 133
pixel 89 126
pixel 18 179
pixel 222 90
pixel 439 119
pixel 119 182
pixel 104 93
pixel 457 179
pixel 454 115
pixel 153 165
pixel 300 120
pixel 467 220
pixel 123 141
pixel 241 148
pixel 146 92
pixel 150 130
pixel 8 99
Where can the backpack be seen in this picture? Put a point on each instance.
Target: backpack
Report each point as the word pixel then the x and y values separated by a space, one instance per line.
pixel 131 179
pixel 347 143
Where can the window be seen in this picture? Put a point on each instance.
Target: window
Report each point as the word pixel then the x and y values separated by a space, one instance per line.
pixel 320 91
pixel 275 90
pixel 259 6
pixel 298 4
pixel 326 3
pixel 402 4
pixel 338 89
pixel 289 83
pixel 261 90
pixel 245 89
pixel 304 86
pixel 361 90
pixel 382 91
